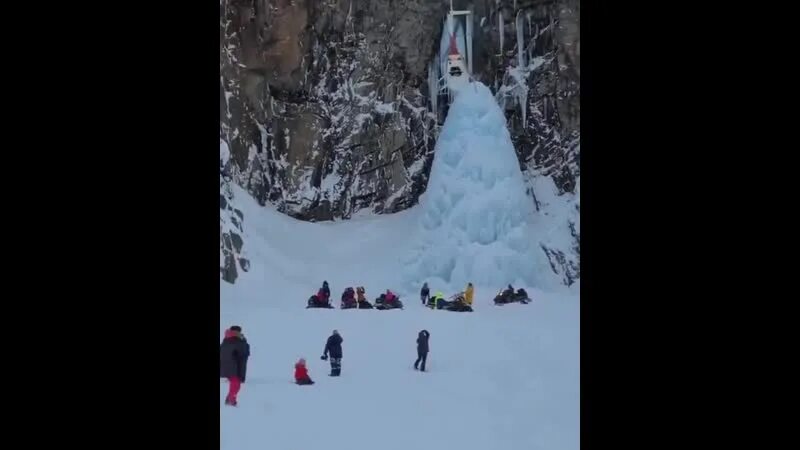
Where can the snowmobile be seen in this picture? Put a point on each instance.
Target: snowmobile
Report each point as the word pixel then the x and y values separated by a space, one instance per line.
pixel 455 303
pixel 357 305
pixel 509 296
pixel 382 304
pixel 315 302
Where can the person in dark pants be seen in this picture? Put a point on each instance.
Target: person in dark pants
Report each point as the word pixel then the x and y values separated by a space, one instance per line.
pixel 424 293
pixel 334 348
pixel 422 350
pixel 233 354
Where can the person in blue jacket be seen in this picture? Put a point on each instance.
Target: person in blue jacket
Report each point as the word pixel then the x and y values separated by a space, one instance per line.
pixel 333 347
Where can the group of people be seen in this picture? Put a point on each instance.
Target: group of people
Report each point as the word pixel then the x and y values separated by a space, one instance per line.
pixel 462 301
pixel 459 302
pixel 354 298
pixel 235 351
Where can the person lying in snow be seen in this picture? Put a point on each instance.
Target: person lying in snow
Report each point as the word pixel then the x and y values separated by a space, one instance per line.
pixel 301 373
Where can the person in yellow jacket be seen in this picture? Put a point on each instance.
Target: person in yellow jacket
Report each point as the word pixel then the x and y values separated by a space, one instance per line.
pixel 468 294
pixel 437 298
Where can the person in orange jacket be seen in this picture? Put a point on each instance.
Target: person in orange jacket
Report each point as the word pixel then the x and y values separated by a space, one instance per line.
pixel 301 373
pixel 468 294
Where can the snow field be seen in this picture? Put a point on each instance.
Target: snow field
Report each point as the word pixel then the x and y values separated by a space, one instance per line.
pixel 501 377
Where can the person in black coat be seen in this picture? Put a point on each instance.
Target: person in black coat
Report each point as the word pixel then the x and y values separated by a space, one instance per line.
pixel 246 352
pixel 424 293
pixel 422 350
pixel 334 347
pixel 233 354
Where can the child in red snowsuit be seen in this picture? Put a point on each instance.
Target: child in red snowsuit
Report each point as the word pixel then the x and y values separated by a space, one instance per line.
pixel 301 373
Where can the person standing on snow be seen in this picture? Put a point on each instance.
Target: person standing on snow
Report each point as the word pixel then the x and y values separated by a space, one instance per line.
pixel 233 354
pixel 301 373
pixel 424 293
pixel 422 350
pixel 468 294
pixel 334 347
pixel 239 333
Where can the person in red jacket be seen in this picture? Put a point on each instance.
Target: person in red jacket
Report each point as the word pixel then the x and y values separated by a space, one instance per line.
pixel 301 373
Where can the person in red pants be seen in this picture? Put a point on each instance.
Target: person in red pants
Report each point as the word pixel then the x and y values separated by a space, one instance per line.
pixel 301 373
pixel 233 354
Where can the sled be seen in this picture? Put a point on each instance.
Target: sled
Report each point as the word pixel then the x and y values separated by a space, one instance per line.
pixel 518 297
pixel 397 304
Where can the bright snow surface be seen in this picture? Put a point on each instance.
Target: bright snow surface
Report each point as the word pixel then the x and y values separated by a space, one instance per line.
pixel 498 378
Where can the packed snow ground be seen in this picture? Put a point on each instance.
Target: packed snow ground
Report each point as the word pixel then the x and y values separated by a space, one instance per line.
pixel 499 377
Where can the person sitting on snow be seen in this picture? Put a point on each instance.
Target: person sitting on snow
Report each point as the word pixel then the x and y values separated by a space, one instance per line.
pixel 348 298
pixel 301 373
pixel 361 296
pixel 437 301
pixel 508 294
pixel 324 293
pixel 468 294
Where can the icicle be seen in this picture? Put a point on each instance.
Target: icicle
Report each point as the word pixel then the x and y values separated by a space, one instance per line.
pixel 520 41
pixel 469 43
pixel 500 27
pixel 433 85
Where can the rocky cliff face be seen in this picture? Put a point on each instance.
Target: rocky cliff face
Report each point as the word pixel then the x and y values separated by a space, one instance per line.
pixel 232 258
pixel 325 104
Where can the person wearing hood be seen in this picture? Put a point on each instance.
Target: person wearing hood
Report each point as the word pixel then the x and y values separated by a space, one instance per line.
pixel 301 373
pixel 233 354
pixel 334 347
pixel 424 293
pixel 324 293
pixel 422 350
